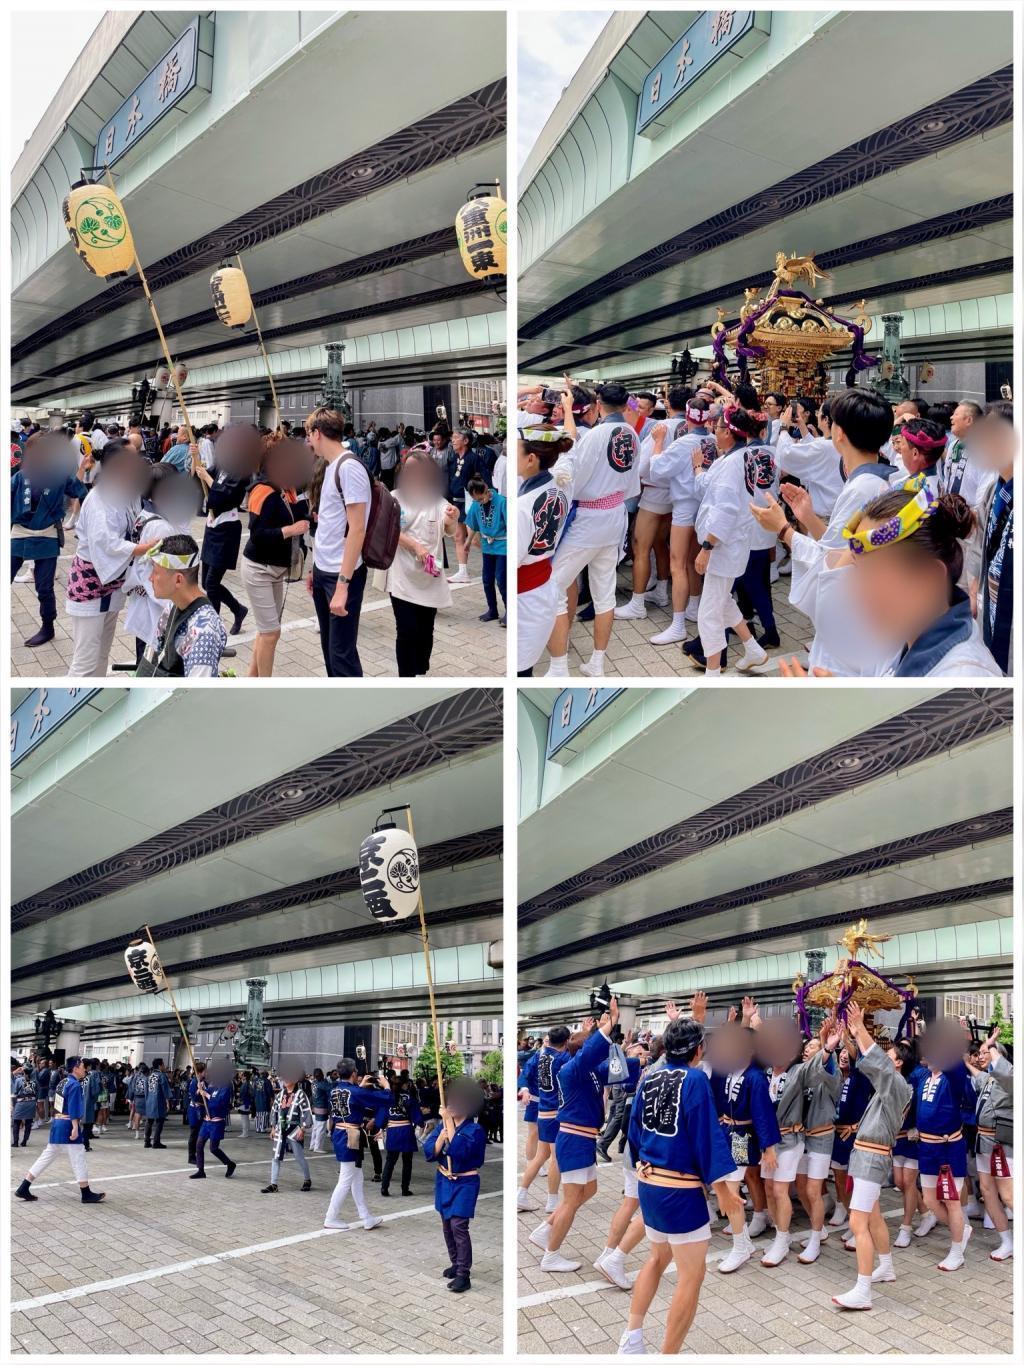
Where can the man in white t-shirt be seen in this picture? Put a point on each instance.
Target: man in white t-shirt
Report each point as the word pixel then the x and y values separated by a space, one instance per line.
pixel 338 576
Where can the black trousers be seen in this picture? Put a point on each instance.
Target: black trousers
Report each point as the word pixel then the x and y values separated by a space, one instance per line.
pixel 457 1240
pixel 215 590
pixel 612 1127
pixel 214 1151
pixel 18 1124
pixel 414 637
pixel 754 590
pixel 494 572
pixel 154 1130
pixel 193 1138
pixel 338 634
pixel 43 571
pixel 390 1162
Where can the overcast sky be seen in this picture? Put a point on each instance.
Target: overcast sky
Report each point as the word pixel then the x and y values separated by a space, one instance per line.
pixel 552 45
pixel 45 45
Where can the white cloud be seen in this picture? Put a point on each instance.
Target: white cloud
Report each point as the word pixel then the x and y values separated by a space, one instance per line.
pixel 552 47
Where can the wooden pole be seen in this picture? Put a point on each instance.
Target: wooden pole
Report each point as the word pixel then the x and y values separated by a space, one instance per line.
pixel 430 974
pixel 266 358
pixel 160 332
pixel 184 1030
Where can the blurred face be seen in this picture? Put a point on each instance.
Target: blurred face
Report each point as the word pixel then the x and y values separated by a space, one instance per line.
pixel 418 483
pixel 994 444
pixel 730 1048
pixel 779 1042
pixel 123 477
pixel 238 452
pixel 943 1044
pixel 50 460
pixel 175 500
pixel 290 464
pixel 896 588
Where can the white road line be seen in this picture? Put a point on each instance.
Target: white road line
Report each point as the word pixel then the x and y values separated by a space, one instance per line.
pixel 180 1267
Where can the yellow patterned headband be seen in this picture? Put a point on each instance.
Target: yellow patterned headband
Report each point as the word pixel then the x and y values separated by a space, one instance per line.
pixel 897 528
pixel 176 563
pixel 545 437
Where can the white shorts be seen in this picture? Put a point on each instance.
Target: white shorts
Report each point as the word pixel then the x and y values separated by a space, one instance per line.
pixel 602 563
pixel 678 1239
pixel 815 1165
pixel 930 1182
pixel 581 1177
pixel 630 1180
pixel 684 514
pixel 718 611
pixel 985 1162
pixel 789 1161
pixel 866 1194
pixel 657 500
pixel 735 1177
pixel 908 1161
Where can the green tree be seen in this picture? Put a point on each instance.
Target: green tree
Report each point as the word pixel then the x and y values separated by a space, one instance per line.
pixel 492 1068
pixel 426 1063
pixel 1005 1025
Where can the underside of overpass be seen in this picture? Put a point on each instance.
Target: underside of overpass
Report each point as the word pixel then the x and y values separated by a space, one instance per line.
pixel 232 827
pixel 338 188
pixel 731 844
pixel 632 233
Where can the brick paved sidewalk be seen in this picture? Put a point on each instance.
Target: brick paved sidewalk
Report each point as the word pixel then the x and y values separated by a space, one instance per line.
pixel 326 1293
pixel 631 654
pixel 463 645
pixel 785 1311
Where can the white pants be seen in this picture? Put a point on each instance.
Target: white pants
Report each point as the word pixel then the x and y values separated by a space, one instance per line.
pixel 536 611
pixel 243 1119
pixel 316 1141
pixel 93 637
pixel 49 1154
pixel 717 612
pixel 601 561
pixel 350 1178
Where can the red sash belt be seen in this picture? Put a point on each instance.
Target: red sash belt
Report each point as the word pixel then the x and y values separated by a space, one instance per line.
pixel 530 576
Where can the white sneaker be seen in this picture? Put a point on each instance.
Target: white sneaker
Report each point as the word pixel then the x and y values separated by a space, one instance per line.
pixel 632 611
pixel 24 576
pixel 853 1300
pixel 753 656
pixel 925 1226
pixel 778 1251
pixel 613 1268
pixel 632 1344
pixel 883 1274
pixel 374 1221
pixel 673 634
pixel 593 670
pixel 461 577
pixel 523 1199
pixel 742 1250
pixel 902 1238
pixel 556 1262
pixel 539 1236
pixel 338 1227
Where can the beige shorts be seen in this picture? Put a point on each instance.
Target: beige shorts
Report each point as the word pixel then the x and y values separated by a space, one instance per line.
pixel 266 586
pixel 656 500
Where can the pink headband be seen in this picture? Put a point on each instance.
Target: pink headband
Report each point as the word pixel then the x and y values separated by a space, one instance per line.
pixel 698 415
pixel 923 441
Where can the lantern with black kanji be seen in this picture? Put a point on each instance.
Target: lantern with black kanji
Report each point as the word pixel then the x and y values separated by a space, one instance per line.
pixel 145 967
pixel 232 301
pixel 95 219
pixel 481 228
pixel 389 873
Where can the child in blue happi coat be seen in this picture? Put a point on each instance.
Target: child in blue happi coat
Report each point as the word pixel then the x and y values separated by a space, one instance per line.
pixel 458 1145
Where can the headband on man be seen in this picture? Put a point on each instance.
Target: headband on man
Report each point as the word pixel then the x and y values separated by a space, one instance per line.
pixel 698 415
pixel 176 563
pixel 922 441
pixel 544 437
pixel 897 528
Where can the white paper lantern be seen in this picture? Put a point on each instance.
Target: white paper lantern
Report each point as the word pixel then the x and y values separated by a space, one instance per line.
pixel 145 967
pixel 389 873
pixel 180 372
pixel 161 377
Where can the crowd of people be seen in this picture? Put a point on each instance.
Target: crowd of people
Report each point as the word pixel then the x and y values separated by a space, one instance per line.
pixel 321 505
pixel 383 1117
pixel 893 524
pixel 751 1113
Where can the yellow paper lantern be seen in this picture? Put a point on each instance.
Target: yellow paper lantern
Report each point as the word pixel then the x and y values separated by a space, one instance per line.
pixel 231 298
pixel 95 219
pixel 481 227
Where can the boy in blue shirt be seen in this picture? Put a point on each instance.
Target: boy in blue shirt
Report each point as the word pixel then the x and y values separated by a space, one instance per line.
pixel 487 519
pixel 67 1134
pixel 458 1144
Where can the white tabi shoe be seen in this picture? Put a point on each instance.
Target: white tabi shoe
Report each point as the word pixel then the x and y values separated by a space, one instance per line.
pixel 539 1236
pixel 811 1251
pixel 839 1218
pixel 883 1273
pixel 338 1227
pixel 632 1343
pixel 374 1221
pixel 954 1259
pixel 1004 1251
pixel 854 1300
pixel 742 1250
pixel 555 1261
pixel 613 1268
pixel 523 1200
pixel 631 611
pixel 590 669
pixel 925 1226
pixel 972 1209
pixel 673 634
pixel 777 1252
pixel 902 1237
pixel 658 596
